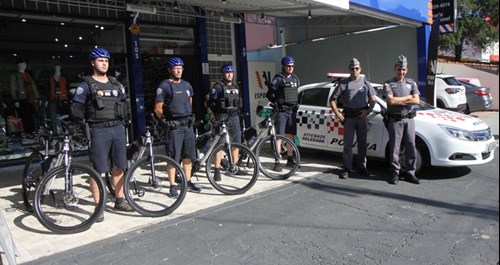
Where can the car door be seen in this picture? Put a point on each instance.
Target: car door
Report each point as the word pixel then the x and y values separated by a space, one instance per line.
pixel 313 117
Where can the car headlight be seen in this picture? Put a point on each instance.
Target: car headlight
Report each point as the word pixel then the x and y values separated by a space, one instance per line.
pixel 458 133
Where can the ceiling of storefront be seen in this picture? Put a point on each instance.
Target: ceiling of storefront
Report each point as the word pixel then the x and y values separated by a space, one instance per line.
pixel 74 22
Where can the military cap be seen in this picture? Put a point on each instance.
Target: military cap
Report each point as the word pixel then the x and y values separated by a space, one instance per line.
pixel 402 62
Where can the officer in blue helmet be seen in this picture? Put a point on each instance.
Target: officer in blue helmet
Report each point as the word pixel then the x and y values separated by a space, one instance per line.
pixel 101 100
pixel 225 102
pixel 174 99
pixel 283 92
pixel 401 94
pixel 358 99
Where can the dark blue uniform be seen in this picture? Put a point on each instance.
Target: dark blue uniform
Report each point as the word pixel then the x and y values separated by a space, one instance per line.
pixel 284 92
pixel 225 102
pixel 177 110
pixel 105 117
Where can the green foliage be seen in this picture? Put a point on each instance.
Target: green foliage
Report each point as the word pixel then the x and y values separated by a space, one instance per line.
pixel 473 27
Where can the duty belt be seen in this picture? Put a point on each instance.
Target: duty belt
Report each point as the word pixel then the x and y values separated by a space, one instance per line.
pixel 400 116
pixel 180 123
pixel 352 113
pixel 101 124
pixel 282 108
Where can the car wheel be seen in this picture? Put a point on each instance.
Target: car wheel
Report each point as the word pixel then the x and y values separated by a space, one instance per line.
pixel 422 156
pixel 440 104
pixel 467 109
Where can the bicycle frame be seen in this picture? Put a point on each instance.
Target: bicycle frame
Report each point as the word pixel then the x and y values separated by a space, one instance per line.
pixel 227 143
pixel 270 129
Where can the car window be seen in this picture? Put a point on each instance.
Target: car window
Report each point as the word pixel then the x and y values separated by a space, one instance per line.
pixel 315 97
pixel 380 91
pixel 451 81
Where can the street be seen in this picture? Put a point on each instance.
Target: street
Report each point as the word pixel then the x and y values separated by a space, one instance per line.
pixel 450 218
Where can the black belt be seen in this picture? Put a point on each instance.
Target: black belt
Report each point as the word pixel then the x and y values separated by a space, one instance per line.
pixel 400 116
pixel 102 124
pixel 179 123
pixel 283 108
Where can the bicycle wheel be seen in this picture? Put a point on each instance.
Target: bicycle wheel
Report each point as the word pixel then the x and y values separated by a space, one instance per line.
pixel 68 212
pixel 237 178
pixel 34 168
pixel 152 197
pixel 271 163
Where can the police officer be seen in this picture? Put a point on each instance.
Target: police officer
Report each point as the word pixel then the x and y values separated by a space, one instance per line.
pixel 174 104
pixel 401 94
pixel 226 102
pixel 283 91
pixel 358 98
pixel 100 99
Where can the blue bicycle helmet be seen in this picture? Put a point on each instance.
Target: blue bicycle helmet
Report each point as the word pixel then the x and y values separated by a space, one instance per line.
pixel 175 61
pixel 99 53
pixel 227 68
pixel 287 60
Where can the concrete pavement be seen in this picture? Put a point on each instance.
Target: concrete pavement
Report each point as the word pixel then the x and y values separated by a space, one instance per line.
pixel 34 241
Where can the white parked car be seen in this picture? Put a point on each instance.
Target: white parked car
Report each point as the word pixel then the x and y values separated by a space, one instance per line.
pixel 450 94
pixel 444 138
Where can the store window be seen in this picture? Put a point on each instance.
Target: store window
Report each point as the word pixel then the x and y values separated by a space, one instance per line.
pixel 41 64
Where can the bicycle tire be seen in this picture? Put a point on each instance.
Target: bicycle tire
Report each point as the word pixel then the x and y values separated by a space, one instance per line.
pixel 34 168
pixel 267 159
pixel 153 200
pixel 55 212
pixel 237 179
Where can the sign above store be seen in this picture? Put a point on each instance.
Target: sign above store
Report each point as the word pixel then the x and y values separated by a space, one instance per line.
pixel 447 10
pixel 344 4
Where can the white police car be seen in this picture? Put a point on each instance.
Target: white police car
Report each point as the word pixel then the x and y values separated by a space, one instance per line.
pixel 444 138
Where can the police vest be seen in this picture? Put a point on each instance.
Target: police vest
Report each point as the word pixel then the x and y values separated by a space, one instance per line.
pixel 105 104
pixel 178 105
pixel 287 93
pixel 230 100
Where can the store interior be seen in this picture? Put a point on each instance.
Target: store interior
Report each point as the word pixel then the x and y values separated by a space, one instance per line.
pixel 43 61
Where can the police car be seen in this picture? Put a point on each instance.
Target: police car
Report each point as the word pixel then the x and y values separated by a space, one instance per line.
pixel 443 138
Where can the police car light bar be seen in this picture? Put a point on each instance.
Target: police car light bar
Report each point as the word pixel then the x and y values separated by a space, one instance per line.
pixel 336 75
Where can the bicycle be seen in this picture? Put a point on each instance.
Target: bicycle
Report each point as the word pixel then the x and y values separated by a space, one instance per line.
pixel 238 174
pixel 269 155
pixel 63 200
pixel 146 184
pixel 39 163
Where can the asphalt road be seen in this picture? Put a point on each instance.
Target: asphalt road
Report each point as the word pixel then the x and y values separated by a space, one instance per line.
pixel 450 218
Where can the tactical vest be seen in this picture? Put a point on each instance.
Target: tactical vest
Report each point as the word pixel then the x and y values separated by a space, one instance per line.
pixel 230 100
pixel 287 93
pixel 105 103
pixel 178 105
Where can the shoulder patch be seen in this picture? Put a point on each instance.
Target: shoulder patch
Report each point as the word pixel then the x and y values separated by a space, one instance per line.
pixel 159 91
pixel 79 90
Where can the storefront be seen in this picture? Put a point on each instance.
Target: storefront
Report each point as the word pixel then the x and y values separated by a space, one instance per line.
pixel 47 38
pixel 44 55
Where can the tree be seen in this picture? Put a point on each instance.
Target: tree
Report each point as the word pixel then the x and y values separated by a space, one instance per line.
pixel 477 27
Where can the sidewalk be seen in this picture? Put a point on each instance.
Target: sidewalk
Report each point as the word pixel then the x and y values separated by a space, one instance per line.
pixel 34 241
